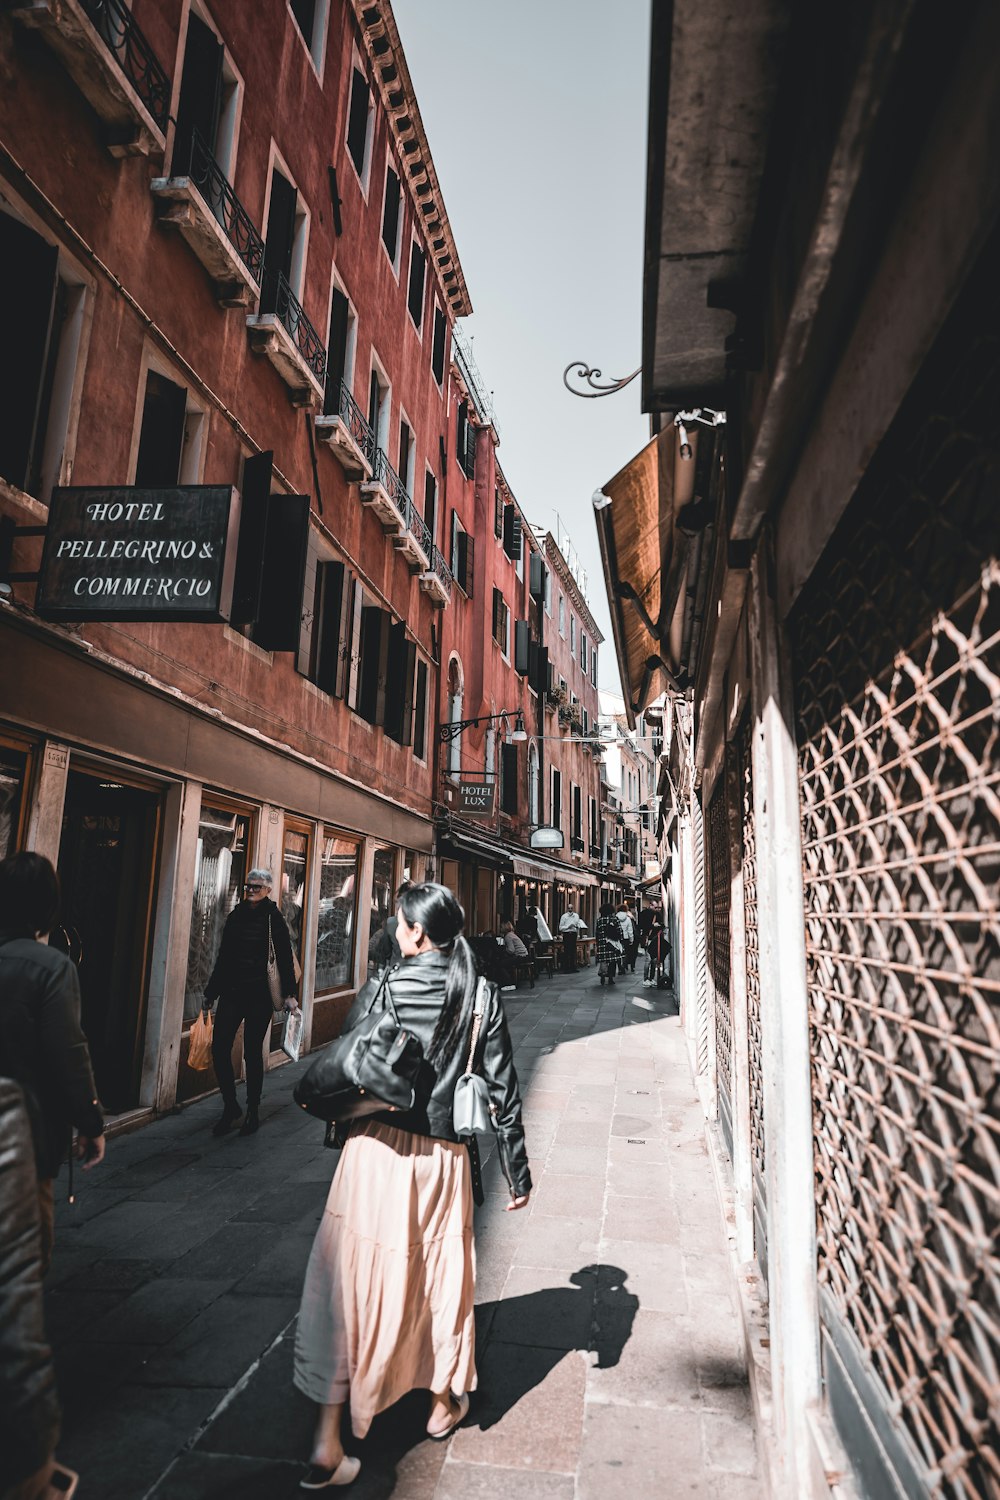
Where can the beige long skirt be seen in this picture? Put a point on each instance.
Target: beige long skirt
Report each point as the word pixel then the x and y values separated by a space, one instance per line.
pixel 388 1301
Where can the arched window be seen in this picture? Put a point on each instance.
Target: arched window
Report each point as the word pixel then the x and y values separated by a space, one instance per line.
pixel 534 817
pixel 456 694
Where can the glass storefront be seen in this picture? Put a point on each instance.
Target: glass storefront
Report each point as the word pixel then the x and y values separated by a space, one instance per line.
pixel 383 895
pixel 294 874
pixel 224 837
pixel 13 780
pixel 337 927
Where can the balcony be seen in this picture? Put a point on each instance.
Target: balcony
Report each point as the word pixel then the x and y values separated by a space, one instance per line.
pixel 414 542
pixel 386 493
pixel 577 844
pixel 349 435
pixel 111 63
pixel 286 337
pixel 202 205
pixel 437 580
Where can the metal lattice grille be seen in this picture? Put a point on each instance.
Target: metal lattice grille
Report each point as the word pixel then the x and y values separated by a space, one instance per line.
pixel 897 657
pixel 702 1040
pixel 754 1035
pixel 718 840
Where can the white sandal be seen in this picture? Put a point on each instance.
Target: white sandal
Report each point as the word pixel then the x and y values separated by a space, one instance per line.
pixel 462 1403
pixel 319 1478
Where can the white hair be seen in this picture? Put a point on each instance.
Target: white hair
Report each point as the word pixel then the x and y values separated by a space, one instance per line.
pixel 263 876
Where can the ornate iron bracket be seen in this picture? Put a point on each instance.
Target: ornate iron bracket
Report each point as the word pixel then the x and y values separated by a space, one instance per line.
pixel 592 375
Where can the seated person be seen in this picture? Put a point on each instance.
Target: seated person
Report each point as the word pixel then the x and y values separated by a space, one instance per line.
pixel 511 949
pixel 512 942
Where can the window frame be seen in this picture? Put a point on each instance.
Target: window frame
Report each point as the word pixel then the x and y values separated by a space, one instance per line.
pixel 364 174
pixel 316 46
pixel 394 260
pixel 415 245
pixel 197 420
pixel 439 312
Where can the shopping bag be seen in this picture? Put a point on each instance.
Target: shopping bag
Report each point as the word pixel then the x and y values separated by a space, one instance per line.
pixel 200 1044
pixel 291 1037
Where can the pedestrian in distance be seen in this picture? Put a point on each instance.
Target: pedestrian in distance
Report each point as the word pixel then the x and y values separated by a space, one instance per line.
pixel 571 925
pixel 239 981
pixel 389 1293
pixel 610 947
pixel 42 1046
pixel 657 946
pixel 630 936
pixel 513 949
pixel 385 950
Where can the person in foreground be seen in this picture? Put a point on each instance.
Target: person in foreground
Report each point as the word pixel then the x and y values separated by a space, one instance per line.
pixel 389 1293
pixel 239 981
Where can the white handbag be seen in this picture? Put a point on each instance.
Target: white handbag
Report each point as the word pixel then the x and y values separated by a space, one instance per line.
pixel 472 1112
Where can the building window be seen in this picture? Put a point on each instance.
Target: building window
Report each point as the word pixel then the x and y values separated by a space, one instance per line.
pixel 534 786
pixel 547 583
pixel 512 533
pixel 45 325
pixel 326 659
pixel 498 512
pixel 379 402
pixel 400 672
pixel 438 349
pixel 208 108
pixel 337 928
pixel 465 441
pixel 170 435
pixel 595 828
pixel 420 712
pixel 508 778
pixel 463 549
pixel 555 799
pixel 583 652
pixel 392 218
pixel 562 616
pixel 577 813
pixel 572 634
pixel 456 695
pixel 285 241
pixel 407 455
pixel 593 666
pixel 360 122
pixel 310 18
pixel 341 347
pixel 415 290
pixel 501 622
pixel 430 503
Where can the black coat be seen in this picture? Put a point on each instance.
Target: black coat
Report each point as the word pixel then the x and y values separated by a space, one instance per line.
pixel 241 966
pixel 417 987
pixel 43 1048
pixel 29 1407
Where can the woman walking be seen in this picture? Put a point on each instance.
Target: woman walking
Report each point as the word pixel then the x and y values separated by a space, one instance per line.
pixel 387 1305
pixel 609 943
pixel 239 982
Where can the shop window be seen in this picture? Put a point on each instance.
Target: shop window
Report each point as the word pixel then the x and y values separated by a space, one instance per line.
pixel 420 712
pixel 170 435
pixel 360 122
pixel 294 878
pixel 13 783
pixel 383 897
pixel 438 349
pixel 501 622
pixel 415 290
pixel 392 218
pixel 337 919
pixel 221 864
pixel 44 323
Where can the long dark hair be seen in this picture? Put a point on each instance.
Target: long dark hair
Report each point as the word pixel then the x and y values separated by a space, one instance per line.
pixel 442 918
pixel 29 894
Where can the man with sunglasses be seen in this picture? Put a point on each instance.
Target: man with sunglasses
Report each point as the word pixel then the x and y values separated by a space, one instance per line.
pixel 239 982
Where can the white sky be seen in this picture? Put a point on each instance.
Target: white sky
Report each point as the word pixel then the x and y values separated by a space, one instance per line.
pixel 536 115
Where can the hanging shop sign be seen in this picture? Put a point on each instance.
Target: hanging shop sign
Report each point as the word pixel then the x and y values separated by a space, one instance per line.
pixel 138 554
pixel 477 799
pixel 546 838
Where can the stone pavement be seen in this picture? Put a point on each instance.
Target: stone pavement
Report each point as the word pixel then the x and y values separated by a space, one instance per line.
pixel 609 1351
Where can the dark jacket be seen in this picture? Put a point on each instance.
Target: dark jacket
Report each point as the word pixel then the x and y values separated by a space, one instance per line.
pixel 417 987
pixel 43 1048
pixel 29 1407
pixel 386 949
pixel 241 966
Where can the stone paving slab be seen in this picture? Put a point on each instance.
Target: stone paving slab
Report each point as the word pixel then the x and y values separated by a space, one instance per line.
pixel 608 1343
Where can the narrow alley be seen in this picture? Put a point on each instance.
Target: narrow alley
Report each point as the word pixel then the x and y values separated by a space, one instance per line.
pixel 610 1355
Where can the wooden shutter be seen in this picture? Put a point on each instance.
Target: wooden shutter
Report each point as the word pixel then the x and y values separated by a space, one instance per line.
pixel 497 615
pixel 200 96
pixel 437 356
pixel 357 127
pixel 498 511
pixel 280 238
pixel 336 351
pixel 536 577
pixel 509 769
pixel 522 645
pixel 161 436
pixel 254 496
pixel 466 556
pixel 511 532
pixel 354 654
pixel 329 622
pixel 390 214
pixel 401 662
pixel 30 267
pixel 420 710
pixel 286 538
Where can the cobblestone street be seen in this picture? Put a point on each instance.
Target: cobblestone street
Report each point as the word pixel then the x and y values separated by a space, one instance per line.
pixel 610 1360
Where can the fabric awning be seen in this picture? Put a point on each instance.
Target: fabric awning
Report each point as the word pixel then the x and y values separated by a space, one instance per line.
pixel 546 870
pixel 470 841
pixel 531 869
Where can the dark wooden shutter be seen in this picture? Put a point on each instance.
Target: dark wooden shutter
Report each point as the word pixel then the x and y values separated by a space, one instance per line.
pixel 511 532
pixel 509 770
pixel 161 437
pixel 30 267
pixel 336 353
pixel 437 355
pixel 304 12
pixel 399 685
pixel 200 96
pixel 254 496
pixel 280 236
pixel 354 646
pixel 369 688
pixel 286 542
pixel 420 711
pixel 536 577
pixel 498 511
pixel 330 579
pixel 357 126
pixel 430 503
pixel 390 213
pixel 466 561
pixel 522 645
pixel 415 293
pixel 497 613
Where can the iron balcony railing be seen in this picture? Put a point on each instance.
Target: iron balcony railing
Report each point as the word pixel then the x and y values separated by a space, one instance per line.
pixel 473 377
pixel 114 23
pixel 384 474
pixel 417 527
pixel 292 314
pixel 441 570
pixel 577 844
pixel 210 180
pixel 344 406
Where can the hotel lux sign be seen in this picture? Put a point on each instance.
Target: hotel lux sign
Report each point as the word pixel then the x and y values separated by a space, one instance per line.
pixel 476 798
pixel 131 554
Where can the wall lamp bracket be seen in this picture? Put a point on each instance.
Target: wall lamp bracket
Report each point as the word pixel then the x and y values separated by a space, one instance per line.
pixel 516 735
pixel 704 415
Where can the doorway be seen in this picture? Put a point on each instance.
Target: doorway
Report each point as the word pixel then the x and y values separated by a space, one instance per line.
pixel 107 861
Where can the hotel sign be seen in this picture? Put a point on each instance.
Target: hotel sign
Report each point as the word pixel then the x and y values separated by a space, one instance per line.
pixel 476 798
pixel 133 554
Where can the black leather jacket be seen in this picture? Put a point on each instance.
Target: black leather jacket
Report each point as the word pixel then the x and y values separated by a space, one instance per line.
pixel 417 987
